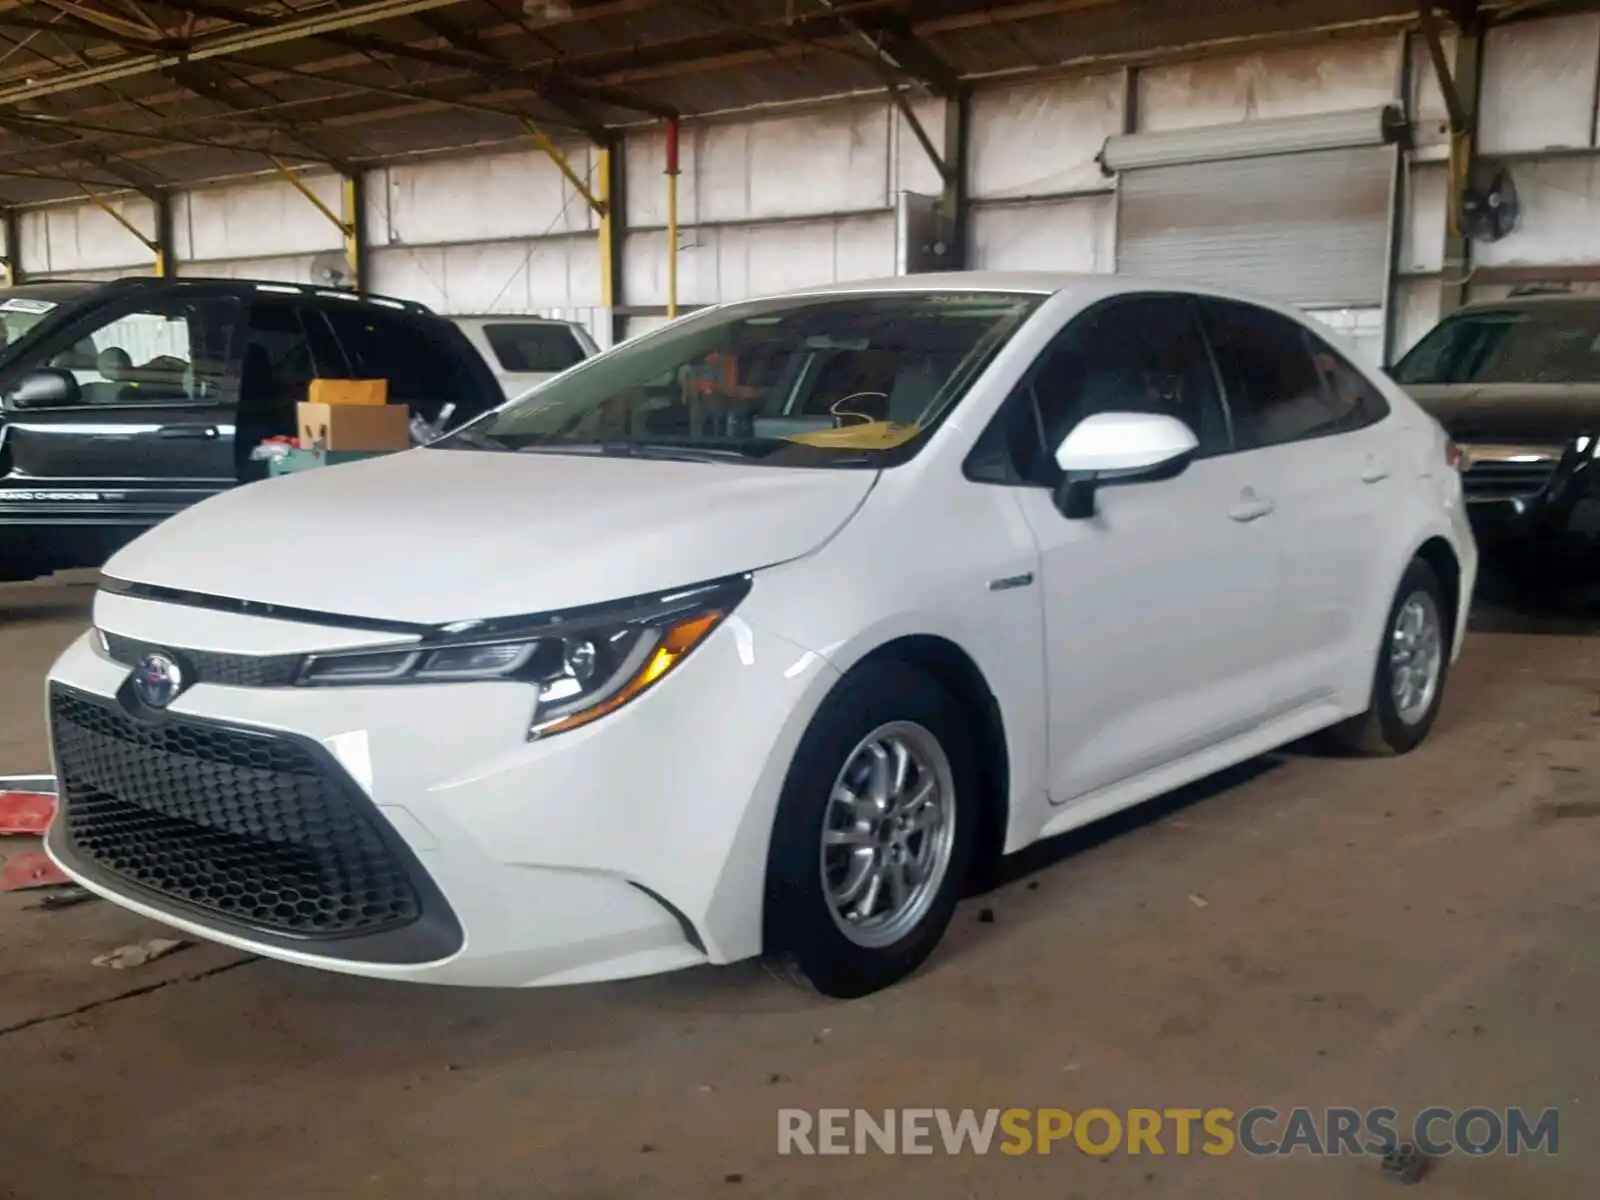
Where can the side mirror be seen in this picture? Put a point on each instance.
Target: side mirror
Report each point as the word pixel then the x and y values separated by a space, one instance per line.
pixel 1117 448
pixel 48 387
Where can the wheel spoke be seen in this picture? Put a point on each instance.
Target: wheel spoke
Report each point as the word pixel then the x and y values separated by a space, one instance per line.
pixel 925 818
pixel 881 776
pixel 862 871
pixel 854 835
pixel 860 808
pixel 902 769
pixel 874 889
pixel 895 883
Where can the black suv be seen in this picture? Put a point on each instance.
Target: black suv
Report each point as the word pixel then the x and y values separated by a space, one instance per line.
pixel 1516 383
pixel 123 402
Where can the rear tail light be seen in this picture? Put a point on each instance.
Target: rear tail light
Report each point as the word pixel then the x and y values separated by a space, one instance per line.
pixel 1452 454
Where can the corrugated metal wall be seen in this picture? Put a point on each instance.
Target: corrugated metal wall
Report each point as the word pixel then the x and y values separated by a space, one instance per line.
pixel 809 197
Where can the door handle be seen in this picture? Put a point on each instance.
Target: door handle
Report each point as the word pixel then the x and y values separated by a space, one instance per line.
pixel 1375 471
pixel 197 433
pixel 1251 508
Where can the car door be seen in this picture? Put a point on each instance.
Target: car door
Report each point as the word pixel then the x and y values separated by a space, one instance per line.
pixel 1302 407
pixel 1155 607
pixel 149 429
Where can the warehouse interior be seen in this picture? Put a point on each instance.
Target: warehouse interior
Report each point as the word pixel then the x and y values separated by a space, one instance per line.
pixel 813 143
pixel 1301 932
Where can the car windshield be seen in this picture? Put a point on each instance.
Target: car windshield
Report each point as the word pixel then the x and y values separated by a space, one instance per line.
pixel 841 381
pixel 1549 342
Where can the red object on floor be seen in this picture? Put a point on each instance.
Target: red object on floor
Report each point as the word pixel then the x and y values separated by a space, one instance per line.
pixel 30 870
pixel 26 813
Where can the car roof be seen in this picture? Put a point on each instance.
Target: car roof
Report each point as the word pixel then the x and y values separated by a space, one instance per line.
pixel 1532 300
pixel 50 289
pixel 1089 286
pixel 85 288
pixel 509 319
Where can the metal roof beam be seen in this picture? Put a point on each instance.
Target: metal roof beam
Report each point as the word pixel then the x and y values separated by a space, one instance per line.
pixel 126 174
pixel 199 79
pixel 219 45
pixel 903 52
pixel 470 43
pixel 542 82
pixel 68 24
pixel 561 89
pixel 29 122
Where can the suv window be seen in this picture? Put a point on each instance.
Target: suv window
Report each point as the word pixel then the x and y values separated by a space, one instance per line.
pixel 530 348
pixel 166 351
pixel 278 361
pixel 1280 381
pixel 1550 341
pixel 423 372
pixel 1140 354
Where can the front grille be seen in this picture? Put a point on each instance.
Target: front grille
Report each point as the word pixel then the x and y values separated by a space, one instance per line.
pixel 256 828
pixel 207 666
pixel 1503 480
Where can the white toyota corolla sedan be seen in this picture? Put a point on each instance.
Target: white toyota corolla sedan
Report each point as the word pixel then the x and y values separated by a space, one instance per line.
pixel 758 633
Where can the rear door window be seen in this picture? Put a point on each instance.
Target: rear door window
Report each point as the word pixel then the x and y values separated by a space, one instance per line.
pixel 1275 387
pixel 424 371
pixel 524 349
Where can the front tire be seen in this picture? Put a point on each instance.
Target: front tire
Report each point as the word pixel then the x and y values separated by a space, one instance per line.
pixel 874 834
pixel 1413 664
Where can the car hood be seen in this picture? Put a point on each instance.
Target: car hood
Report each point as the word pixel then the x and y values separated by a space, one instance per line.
pixel 1512 412
pixel 432 536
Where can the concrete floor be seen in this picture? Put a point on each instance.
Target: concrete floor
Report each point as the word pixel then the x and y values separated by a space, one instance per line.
pixel 1405 933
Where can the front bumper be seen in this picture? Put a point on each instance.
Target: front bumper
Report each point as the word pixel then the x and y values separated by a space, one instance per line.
pixel 1556 523
pixel 601 853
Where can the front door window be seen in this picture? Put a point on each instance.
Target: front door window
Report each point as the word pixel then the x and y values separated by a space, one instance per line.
pixel 163 353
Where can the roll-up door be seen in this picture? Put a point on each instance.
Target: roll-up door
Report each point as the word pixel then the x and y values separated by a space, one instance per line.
pixel 1307 225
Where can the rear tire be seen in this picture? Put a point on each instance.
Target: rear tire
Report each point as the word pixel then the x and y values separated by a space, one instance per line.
pixel 1409 677
pixel 883 784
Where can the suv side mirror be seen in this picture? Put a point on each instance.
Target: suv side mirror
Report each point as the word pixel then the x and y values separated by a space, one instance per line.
pixel 47 387
pixel 1117 448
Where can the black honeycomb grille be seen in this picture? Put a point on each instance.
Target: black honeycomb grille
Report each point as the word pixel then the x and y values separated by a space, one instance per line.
pixel 248 826
pixel 205 666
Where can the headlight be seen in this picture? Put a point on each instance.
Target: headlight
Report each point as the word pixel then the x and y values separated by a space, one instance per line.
pixel 584 664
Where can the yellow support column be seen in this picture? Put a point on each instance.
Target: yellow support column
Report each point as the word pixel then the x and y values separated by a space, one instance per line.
pixel 607 246
pixel 350 197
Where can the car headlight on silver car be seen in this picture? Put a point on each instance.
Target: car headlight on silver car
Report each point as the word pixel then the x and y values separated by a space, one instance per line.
pixel 583 664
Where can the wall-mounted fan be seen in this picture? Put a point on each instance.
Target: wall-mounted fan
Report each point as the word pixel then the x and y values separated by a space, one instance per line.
pixel 1489 208
pixel 332 269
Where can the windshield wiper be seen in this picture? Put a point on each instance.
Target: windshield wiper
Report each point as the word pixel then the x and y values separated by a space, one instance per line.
pixel 629 449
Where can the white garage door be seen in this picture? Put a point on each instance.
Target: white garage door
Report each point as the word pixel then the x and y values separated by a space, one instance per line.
pixel 1278 208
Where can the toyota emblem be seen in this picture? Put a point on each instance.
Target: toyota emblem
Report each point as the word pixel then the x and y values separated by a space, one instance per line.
pixel 157 680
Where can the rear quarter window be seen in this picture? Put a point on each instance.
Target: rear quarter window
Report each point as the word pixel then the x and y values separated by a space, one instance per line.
pixel 534 349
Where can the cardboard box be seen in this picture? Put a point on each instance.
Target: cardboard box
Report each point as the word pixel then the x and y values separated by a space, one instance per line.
pixel 340 427
pixel 348 391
